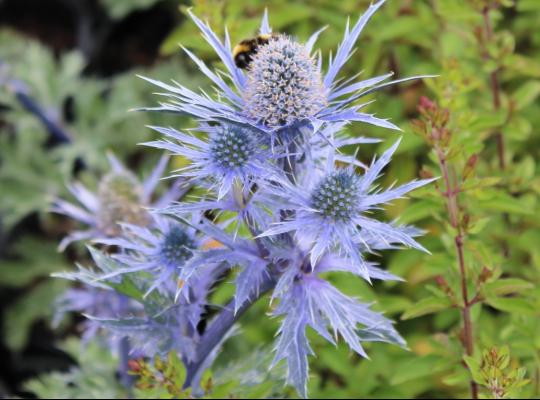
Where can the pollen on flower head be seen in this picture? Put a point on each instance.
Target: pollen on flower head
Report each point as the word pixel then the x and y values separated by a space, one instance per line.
pixel 232 146
pixel 336 196
pixel 120 200
pixel 284 84
pixel 176 246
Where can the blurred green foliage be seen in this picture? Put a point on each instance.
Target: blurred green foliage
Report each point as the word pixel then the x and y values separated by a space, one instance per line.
pixel 497 209
pixel 92 378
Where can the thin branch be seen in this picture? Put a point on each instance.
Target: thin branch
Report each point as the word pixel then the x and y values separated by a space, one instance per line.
pixel 454 213
pixel 220 326
pixel 55 130
pixel 495 88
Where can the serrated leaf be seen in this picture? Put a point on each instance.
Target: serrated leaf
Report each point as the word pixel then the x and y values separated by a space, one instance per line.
pixel 26 310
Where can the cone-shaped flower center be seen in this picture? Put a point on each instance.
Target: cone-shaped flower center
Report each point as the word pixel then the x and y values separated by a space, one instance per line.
pixel 120 198
pixel 284 84
pixel 176 247
pixel 232 147
pixel 336 196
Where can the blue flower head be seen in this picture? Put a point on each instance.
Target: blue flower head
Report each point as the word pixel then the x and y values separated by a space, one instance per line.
pixel 164 249
pixel 120 198
pixel 336 196
pixel 333 213
pixel 284 84
pixel 154 324
pixel 231 153
pixel 285 88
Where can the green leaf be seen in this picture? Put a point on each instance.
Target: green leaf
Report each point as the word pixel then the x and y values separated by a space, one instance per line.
pixel 30 265
pixel 418 210
pixel 504 287
pixel 526 94
pixel 475 369
pixel 478 226
pixel 26 310
pixel 515 305
pixel 120 8
pixel 419 367
pixel 528 5
pixel 94 377
pixel 478 183
pixel 503 202
pixel 524 65
pixel 487 121
pixel 426 306
pixel 519 128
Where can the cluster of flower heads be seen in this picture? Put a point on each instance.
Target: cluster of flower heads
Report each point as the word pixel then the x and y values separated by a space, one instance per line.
pixel 268 152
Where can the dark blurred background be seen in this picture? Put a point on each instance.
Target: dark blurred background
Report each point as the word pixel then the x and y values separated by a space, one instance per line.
pixel 112 39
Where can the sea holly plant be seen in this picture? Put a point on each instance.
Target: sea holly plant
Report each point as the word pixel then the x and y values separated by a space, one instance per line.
pixel 278 206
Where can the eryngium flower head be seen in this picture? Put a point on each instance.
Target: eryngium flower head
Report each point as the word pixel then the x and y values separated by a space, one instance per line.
pixel 336 195
pixel 156 325
pixel 163 249
pixel 231 152
pixel 331 213
pixel 284 84
pixel 176 246
pixel 284 89
pixel 120 198
pixel 232 148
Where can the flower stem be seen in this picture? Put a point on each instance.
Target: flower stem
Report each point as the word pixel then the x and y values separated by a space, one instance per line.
pixel 451 194
pixel 495 89
pixel 124 350
pixel 57 132
pixel 219 327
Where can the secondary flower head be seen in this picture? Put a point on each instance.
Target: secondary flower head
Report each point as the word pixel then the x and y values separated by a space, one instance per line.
pixel 230 153
pixel 284 84
pixel 163 249
pixel 155 325
pixel 120 198
pixel 336 196
pixel 101 302
pixel 330 212
pixel 176 246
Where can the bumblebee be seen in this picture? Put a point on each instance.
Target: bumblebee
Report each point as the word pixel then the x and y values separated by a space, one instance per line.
pixel 244 51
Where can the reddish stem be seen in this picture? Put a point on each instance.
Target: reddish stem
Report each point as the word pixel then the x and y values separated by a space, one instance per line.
pixel 495 89
pixel 450 194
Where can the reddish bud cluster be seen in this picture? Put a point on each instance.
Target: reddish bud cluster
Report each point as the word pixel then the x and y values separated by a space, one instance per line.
pixel 433 124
